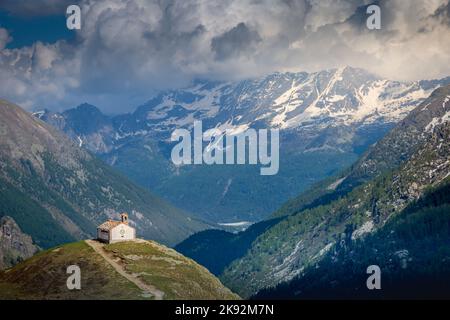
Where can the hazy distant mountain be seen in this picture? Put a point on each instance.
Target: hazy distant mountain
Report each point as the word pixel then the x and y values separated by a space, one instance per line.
pixel 57 192
pixel 327 119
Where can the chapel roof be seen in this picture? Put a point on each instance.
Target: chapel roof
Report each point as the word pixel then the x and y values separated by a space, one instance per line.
pixel 108 225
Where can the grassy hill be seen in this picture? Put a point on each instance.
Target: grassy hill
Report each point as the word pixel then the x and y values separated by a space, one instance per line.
pixel 44 275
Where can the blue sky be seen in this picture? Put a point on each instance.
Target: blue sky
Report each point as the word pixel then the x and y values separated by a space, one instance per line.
pixel 25 30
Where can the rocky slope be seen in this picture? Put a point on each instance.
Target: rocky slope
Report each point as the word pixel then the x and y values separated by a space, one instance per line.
pixel 15 246
pixel 44 276
pixel 411 250
pixel 327 119
pixel 386 155
pixel 301 239
pixel 58 192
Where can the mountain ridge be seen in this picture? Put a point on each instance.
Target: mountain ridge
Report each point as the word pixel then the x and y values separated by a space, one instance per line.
pixel 346 206
pixel 411 251
pixel 284 251
pixel 327 119
pixel 49 184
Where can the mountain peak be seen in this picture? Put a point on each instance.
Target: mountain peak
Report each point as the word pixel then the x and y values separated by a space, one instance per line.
pixel 86 108
pixel 85 119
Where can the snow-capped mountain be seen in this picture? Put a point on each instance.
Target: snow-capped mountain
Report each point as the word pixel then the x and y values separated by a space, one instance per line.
pixel 404 191
pixel 344 96
pixel 326 119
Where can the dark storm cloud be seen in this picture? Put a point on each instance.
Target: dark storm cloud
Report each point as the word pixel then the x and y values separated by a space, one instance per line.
pixel 443 13
pixel 238 40
pixel 151 52
pixel 128 49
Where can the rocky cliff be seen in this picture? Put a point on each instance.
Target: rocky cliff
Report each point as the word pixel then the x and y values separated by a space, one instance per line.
pixel 15 245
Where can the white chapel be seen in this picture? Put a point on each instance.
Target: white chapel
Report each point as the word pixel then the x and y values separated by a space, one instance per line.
pixel 114 231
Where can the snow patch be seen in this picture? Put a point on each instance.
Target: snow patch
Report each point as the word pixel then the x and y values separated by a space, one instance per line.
pixel 235 224
pixel 335 184
pixel 447 99
pixel 38 114
pixel 437 121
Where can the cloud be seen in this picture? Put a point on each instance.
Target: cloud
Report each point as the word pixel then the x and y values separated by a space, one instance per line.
pixel 237 41
pixel 129 49
pixel 4 38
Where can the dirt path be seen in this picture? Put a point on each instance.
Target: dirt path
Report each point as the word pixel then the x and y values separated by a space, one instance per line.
pixel 148 289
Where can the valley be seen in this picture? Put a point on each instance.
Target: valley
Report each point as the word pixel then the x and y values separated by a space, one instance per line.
pixel 319 229
pixel 376 171
pixel 326 119
pixel 238 150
